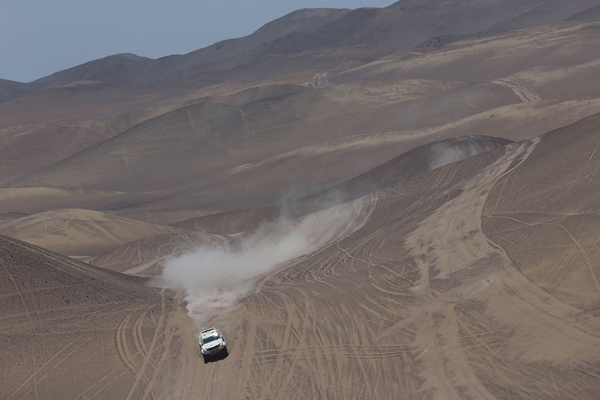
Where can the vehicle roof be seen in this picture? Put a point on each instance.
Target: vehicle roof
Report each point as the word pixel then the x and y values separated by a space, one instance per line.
pixel 208 332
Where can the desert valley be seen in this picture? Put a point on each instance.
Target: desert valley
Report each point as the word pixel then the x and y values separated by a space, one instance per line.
pixel 380 203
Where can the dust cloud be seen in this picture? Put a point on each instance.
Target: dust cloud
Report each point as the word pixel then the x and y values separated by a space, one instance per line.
pixel 216 279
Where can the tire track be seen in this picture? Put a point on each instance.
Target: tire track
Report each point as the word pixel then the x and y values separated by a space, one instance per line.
pixel 446 243
pixel 121 342
pixel 520 88
pixel 138 336
pixel 319 81
pixel 124 352
pixel 48 363
pixel 101 380
pixel 141 373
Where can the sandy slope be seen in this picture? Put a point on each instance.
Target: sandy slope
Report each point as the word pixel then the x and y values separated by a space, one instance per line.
pixel 171 217
pixel 76 232
pixel 515 85
pixel 556 216
pixel 451 316
pixel 146 257
pixel 419 301
pixel 70 330
pixel 220 146
pixel 36 199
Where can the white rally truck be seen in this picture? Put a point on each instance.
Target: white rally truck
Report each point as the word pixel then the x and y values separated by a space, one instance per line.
pixel 211 343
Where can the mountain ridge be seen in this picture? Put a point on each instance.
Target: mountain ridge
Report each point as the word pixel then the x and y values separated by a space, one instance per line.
pixel 312 29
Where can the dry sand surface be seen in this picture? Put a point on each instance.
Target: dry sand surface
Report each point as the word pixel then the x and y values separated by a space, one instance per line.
pixel 419 301
pixel 146 257
pixel 75 232
pixel 396 203
pixel 70 330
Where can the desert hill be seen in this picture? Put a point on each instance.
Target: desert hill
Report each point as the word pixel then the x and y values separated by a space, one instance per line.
pixel 587 15
pixel 403 25
pixel 26 200
pixel 75 232
pixel 536 70
pixel 231 222
pixel 533 98
pixel 393 202
pixel 10 89
pixel 402 167
pixel 97 70
pixel 222 140
pixel 548 12
pixel 145 257
pixel 404 283
pixel 558 206
pixel 434 312
pixel 73 330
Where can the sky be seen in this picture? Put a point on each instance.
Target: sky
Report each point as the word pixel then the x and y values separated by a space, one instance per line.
pixel 40 37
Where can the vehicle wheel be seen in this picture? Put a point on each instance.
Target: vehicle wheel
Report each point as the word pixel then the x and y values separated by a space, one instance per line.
pixel 225 351
pixel 205 359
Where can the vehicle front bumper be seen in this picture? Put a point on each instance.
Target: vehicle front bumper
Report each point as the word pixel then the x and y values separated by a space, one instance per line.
pixel 213 350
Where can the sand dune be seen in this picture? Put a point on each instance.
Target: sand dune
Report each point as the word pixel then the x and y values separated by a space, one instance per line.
pixel 294 204
pixel 10 216
pixel 557 207
pixel 212 140
pixel 72 330
pixel 434 313
pixel 170 217
pixel 230 222
pixel 36 199
pixel 405 166
pixel 402 296
pixel 145 257
pixel 79 232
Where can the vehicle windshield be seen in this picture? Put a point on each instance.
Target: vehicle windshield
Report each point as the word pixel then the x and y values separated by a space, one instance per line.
pixel 209 339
